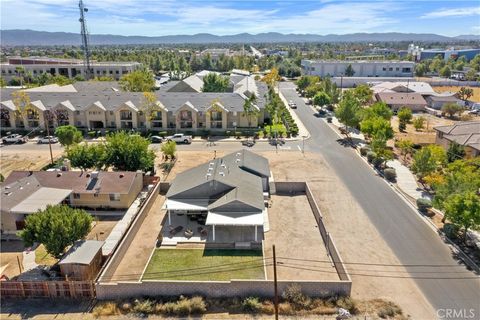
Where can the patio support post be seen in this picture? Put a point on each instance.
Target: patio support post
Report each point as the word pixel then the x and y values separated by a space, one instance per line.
pixel 169 219
pixel 255 233
pixel 213 228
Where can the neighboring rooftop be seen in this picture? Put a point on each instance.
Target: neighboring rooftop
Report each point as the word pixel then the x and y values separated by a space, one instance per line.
pixel 401 98
pixel 464 133
pixel 82 252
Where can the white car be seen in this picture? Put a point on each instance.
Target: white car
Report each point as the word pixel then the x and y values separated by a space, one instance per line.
pixel 180 138
pixel 14 138
pixel 46 139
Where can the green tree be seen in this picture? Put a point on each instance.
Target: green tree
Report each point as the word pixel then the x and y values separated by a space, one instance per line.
pixel 272 78
pixel 3 83
pixel 379 146
pixel 321 99
pixel 128 152
pixel 451 108
pixel 213 82
pixel 378 109
pixel 471 75
pixel 363 93
pixel 312 90
pixel 250 109
pixel 455 152
pixel 87 156
pixel 465 93
pixel 305 81
pixel 169 149
pixel 445 72
pixel 56 227
pixel 149 105
pixel 377 126
pixel 420 70
pixel 463 210
pixel 68 135
pixel 423 163
pixel 138 81
pixel 418 123
pixel 406 147
pixel 404 117
pixel 347 111
pixel 349 72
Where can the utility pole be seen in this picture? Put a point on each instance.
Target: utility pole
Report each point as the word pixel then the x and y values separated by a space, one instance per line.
pixel 85 45
pixel 49 141
pixel 275 299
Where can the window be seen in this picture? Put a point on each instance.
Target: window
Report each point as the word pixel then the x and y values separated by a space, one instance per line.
pixel 112 123
pixel 76 196
pixel 384 69
pixel 397 68
pixel 114 196
pixel 390 69
pixel 116 72
pixel 111 72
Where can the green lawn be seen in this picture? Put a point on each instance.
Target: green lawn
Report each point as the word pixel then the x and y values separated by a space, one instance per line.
pixel 209 264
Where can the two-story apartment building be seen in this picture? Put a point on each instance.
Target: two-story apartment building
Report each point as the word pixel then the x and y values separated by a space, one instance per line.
pixel 98 105
pixel 366 68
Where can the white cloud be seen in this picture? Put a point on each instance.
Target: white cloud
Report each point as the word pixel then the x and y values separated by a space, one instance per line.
pixel 458 12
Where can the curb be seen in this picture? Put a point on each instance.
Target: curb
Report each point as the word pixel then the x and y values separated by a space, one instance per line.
pixel 462 255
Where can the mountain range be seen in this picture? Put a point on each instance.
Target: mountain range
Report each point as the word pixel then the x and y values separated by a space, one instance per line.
pixel 43 38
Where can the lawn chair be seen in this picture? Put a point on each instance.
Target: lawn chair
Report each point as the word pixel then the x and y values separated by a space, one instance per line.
pixel 203 231
pixel 174 231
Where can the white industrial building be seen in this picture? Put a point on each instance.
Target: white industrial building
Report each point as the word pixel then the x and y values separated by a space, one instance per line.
pixel 336 68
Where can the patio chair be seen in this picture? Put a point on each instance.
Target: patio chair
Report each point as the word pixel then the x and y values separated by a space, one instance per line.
pixel 188 233
pixel 203 231
pixel 175 230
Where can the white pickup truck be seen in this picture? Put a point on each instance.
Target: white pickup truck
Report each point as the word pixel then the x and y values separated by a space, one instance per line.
pixel 14 138
pixel 180 138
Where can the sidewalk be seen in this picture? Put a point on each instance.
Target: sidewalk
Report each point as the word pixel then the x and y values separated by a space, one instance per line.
pixel 406 181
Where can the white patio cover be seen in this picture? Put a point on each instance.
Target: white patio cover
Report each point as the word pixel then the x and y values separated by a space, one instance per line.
pixel 186 204
pixel 40 199
pixel 234 219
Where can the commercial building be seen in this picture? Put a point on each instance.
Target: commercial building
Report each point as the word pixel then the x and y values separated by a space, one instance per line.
pixel 102 105
pixel 422 54
pixel 66 67
pixel 379 68
pixel 27 192
pixel 466 134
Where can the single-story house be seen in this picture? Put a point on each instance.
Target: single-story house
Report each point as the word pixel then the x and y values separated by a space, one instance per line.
pixel 226 195
pixel 404 86
pixel 27 192
pixel 437 101
pixel 82 261
pixel 396 100
pixel 466 134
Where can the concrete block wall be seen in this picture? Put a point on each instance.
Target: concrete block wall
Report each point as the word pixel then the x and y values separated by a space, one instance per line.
pixel 234 288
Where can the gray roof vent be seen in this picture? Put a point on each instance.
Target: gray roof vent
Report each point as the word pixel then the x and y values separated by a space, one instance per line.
pixel 222 173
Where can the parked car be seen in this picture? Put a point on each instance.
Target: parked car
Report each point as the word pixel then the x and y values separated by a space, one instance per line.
pixel 180 138
pixel 156 139
pixel 46 139
pixel 14 138
pixel 292 105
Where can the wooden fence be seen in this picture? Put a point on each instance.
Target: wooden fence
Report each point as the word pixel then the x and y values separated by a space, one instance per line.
pixel 47 289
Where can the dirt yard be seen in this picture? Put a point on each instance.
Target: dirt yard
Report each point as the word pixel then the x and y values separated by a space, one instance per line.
pixel 102 228
pixel 294 232
pixel 476 91
pixel 426 135
pixel 25 158
pixel 9 251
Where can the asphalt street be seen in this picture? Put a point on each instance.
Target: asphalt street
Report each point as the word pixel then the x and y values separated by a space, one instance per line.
pixel 444 282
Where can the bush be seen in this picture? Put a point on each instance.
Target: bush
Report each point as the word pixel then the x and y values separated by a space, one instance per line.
pixel 450 230
pixel 293 294
pixel 364 150
pixel 197 305
pixel 163 133
pixel 143 306
pixel 390 174
pixel 378 161
pixel 348 304
pixel 268 307
pixel 389 310
pixel 329 119
pixel 371 156
pixel 251 304
pixel 285 308
pixel 92 134
pixel 169 308
pixel 126 307
pixel 423 205
pixel 105 309
pixel 182 307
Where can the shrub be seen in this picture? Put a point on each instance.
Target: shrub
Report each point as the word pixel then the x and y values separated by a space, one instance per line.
pixel 143 306
pixel 163 133
pixel 125 306
pixel 371 155
pixel 293 293
pixel 197 305
pixel 285 308
pixel 182 307
pixel 389 310
pixel 268 307
pixel 390 174
pixel 105 309
pixel 169 308
pixel 329 119
pixel 364 150
pixel 92 134
pixel 348 304
pixel 378 161
pixel 450 230
pixel 251 304
pixel 423 205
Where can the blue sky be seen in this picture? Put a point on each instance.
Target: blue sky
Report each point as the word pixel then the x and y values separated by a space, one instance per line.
pixel 170 17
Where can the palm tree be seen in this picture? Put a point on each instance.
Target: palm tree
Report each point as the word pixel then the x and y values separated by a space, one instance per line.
pixel 249 108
